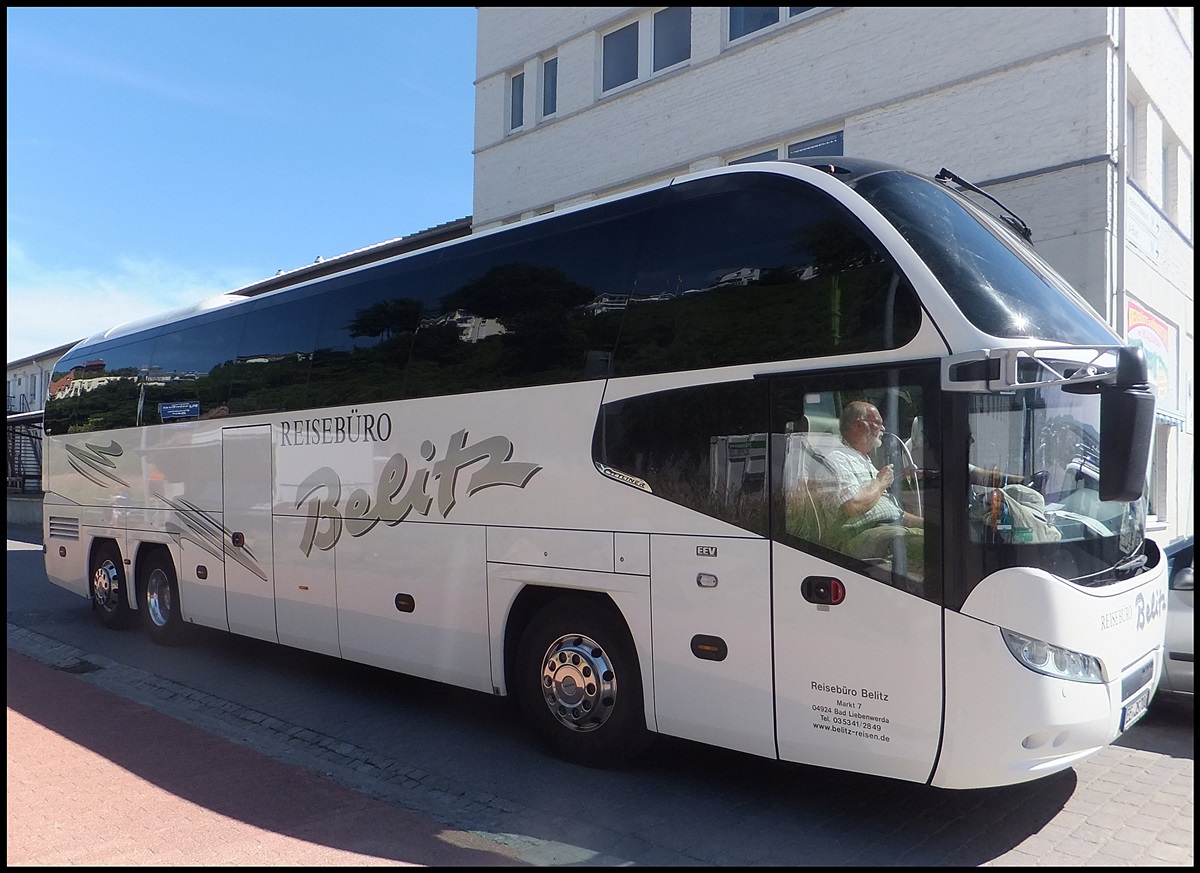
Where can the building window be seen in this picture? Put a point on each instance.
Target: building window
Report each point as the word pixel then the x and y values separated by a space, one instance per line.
pixel 620 59
pixel 768 155
pixel 672 36
pixel 516 101
pixel 627 58
pixel 830 144
pixel 744 20
pixel 549 86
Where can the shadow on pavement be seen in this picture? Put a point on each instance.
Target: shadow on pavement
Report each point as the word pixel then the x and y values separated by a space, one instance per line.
pixel 1166 729
pixel 221 777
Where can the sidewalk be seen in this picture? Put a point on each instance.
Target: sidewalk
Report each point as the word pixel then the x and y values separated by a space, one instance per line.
pixel 96 779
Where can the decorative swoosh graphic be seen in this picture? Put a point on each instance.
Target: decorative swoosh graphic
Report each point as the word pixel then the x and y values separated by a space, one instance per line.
pixel 96 464
pixel 93 462
pixel 202 529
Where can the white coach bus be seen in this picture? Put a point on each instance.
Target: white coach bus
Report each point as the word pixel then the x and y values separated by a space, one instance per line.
pixel 598 460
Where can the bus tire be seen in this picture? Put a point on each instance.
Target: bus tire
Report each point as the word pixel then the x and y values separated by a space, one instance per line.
pixel 107 586
pixel 579 684
pixel 159 592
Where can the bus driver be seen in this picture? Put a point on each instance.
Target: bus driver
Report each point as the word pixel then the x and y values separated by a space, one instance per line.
pixel 872 518
pixel 871 515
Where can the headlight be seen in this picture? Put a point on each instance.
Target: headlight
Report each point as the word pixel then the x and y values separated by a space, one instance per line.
pixel 1052 660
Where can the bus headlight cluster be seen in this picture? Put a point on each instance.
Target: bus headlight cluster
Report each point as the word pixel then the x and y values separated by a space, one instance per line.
pixel 1051 660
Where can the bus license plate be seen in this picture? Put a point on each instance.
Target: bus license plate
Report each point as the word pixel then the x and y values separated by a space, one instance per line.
pixel 1134 710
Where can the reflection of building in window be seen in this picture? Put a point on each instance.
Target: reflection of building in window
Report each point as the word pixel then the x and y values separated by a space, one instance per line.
pixel 270 359
pixel 471 328
pixel 738 465
pixel 59 387
pixel 744 276
pixel 79 387
pixel 619 302
pixel 607 303
pixel 164 376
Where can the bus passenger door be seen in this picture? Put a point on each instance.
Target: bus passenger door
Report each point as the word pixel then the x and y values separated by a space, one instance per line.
pixel 247 474
pixel 857 640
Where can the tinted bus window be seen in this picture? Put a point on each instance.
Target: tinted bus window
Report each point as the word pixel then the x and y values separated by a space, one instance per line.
pixel 191 370
pixel 740 271
pixel 275 355
pixel 99 389
pixel 366 331
pixel 703 447
pixel 531 306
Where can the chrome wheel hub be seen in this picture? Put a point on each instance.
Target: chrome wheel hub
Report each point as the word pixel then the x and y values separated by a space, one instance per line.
pixel 158 598
pixel 578 683
pixel 106 587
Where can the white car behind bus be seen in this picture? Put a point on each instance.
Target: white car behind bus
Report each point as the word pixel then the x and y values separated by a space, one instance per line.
pixel 1178 663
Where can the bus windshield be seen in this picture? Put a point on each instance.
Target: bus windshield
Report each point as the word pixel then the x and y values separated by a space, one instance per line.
pixel 999 282
pixel 1042 506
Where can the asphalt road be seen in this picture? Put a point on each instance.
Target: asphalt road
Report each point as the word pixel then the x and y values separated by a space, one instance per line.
pixel 464 760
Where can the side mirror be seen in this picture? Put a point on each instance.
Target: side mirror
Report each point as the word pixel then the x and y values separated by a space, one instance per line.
pixel 1126 428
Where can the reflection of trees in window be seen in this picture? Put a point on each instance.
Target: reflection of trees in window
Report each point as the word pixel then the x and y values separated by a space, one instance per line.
pixel 387 319
pixel 271 372
pixel 775 272
pixel 112 404
pixel 712 273
pixel 210 389
pixel 269 384
pixel 836 253
pixel 544 338
pixel 370 372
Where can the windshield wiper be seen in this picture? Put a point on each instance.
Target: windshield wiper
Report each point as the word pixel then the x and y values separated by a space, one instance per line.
pixel 1123 569
pixel 1012 219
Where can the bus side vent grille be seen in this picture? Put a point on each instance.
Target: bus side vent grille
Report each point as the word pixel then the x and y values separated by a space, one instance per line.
pixel 64 528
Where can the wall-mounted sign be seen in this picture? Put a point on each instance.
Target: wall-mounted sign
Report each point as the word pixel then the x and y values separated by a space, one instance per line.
pixel 1159 341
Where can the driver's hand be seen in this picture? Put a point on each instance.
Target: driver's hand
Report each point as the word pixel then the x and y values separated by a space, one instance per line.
pixel 886 476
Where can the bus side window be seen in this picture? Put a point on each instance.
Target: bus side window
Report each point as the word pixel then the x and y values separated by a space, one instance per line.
pixel 271 373
pixel 703 447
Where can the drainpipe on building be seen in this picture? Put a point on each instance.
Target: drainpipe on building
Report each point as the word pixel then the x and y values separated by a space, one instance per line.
pixel 1116 299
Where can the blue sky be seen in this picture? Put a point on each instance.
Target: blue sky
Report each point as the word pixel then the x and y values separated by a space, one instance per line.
pixel 160 156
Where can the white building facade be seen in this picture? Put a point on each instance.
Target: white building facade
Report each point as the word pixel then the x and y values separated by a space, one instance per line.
pixel 1078 118
pixel 28 380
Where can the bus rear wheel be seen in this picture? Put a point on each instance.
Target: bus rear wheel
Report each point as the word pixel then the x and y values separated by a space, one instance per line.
pixel 159 590
pixel 579 683
pixel 108 586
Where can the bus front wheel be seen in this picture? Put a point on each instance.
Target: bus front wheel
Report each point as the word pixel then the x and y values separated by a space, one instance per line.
pixel 108 587
pixel 159 592
pixel 579 683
